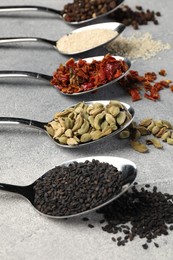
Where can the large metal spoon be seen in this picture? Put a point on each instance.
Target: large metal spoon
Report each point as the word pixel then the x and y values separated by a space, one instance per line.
pixel 58 44
pixel 127 167
pixel 12 121
pixel 35 75
pixel 59 13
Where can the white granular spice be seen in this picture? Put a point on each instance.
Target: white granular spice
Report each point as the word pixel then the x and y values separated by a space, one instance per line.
pixel 137 46
pixel 84 40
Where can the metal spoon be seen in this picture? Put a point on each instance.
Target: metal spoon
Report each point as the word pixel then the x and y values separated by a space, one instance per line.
pixel 35 75
pixel 114 26
pixel 127 167
pixel 42 125
pixel 59 13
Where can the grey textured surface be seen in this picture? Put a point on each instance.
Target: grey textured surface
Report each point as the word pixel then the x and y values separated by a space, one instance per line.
pixel 26 153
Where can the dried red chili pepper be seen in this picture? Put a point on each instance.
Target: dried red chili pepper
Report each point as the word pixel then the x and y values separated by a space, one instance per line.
pixel 149 97
pixel 74 77
pixel 150 76
pixel 134 92
pixel 133 83
pixel 162 72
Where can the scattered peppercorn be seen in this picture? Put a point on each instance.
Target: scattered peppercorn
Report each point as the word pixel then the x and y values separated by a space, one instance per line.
pixel 135 18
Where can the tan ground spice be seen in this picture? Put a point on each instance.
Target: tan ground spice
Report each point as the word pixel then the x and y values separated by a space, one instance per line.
pixel 84 40
pixel 137 46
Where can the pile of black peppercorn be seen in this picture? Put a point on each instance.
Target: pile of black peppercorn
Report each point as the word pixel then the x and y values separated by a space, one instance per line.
pixel 81 10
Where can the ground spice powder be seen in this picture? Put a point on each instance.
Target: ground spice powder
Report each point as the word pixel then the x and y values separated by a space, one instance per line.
pixel 137 46
pixel 84 40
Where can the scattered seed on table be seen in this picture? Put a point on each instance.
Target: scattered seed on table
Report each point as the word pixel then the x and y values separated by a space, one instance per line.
pixel 90 226
pixel 145 246
pixel 156 245
pixel 113 239
pixel 142 212
pixel 171 227
pixel 85 219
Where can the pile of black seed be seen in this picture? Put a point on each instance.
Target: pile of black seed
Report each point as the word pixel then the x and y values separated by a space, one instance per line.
pixel 135 18
pixel 81 10
pixel 72 189
pixel 144 213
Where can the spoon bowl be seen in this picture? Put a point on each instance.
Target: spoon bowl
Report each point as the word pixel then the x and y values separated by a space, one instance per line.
pixel 12 121
pixel 126 167
pixel 115 27
pixel 59 13
pixel 40 76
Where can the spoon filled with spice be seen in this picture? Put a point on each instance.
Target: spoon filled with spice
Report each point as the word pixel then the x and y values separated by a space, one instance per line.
pixel 75 13
pixel 83 123
pixel 78 186
pixel 82 76
pixel 80 40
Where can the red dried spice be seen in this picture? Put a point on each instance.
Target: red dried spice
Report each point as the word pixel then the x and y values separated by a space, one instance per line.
pixel 134 83
pixel 135 94
pixel 162 72
pixel 150 76
pixel 75 77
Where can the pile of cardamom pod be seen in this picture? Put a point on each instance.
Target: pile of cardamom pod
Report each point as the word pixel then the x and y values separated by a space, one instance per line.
pixel 87 122
pixel 156 128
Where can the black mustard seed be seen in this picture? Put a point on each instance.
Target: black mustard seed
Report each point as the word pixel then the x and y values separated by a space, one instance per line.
pixel 72 189
pixel 139 212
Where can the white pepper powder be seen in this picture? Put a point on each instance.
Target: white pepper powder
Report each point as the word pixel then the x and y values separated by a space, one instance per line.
pixel 137 46
pixel 84 40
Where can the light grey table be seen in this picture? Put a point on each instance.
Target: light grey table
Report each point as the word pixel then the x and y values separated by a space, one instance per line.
pixel 25 154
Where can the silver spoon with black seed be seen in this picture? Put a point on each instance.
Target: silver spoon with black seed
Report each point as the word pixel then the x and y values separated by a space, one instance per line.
pixel 13 121
pixel 67 44
pixel 78 186
pixel 48 78
pixel 60 13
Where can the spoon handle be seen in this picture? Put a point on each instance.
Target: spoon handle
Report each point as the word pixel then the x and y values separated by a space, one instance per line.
pixel 22 121
pixel 24 74
pixel 11 188
pixel 16 8
pixel 25 191
pixel 27 39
